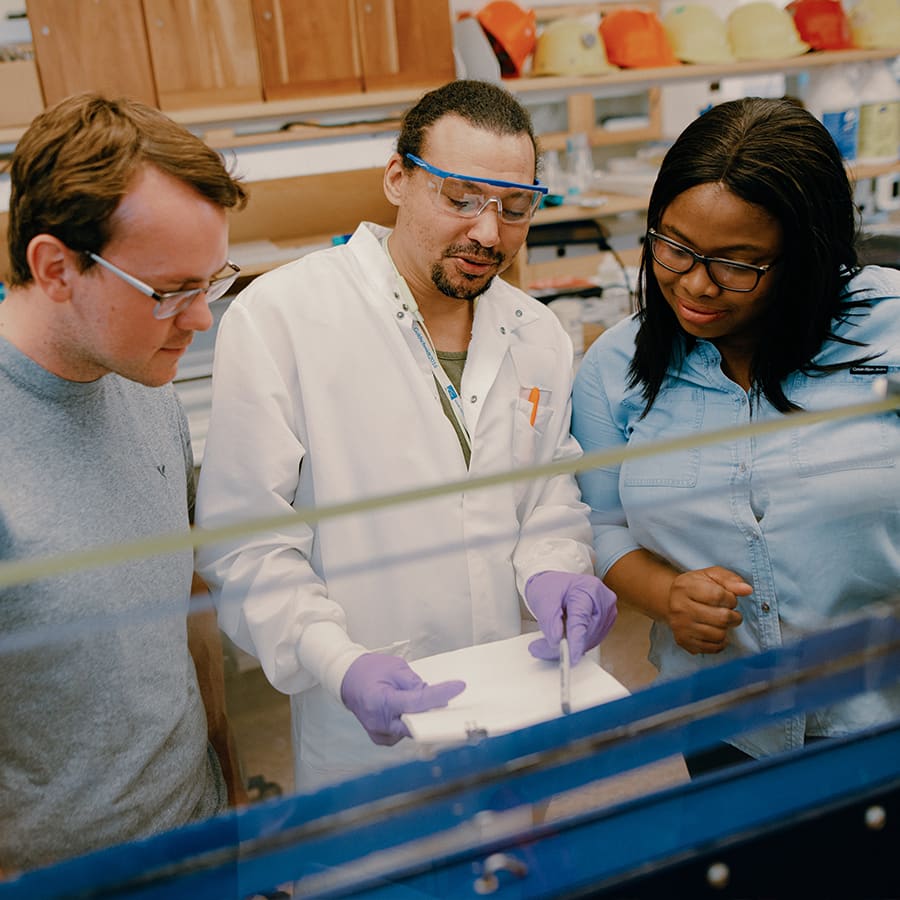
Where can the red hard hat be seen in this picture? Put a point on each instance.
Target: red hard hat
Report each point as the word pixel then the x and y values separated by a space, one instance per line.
pixel 636 39
pixel 822 24
pixel 512 32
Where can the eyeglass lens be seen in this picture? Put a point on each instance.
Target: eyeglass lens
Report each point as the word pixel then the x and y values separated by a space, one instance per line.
pixel 176 302
pixel 731 276
pixel 463 199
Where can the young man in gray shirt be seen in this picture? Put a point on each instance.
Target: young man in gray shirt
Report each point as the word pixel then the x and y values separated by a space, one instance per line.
pixel 118 240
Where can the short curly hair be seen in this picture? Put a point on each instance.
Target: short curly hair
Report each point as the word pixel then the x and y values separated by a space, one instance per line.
pixel 481 103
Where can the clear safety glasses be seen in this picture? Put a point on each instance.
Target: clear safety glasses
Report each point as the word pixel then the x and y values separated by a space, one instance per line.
pixel 725 273
pixel 171 303
pixel 464 195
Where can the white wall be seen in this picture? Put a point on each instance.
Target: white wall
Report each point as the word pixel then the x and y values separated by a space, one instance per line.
pixel 13 30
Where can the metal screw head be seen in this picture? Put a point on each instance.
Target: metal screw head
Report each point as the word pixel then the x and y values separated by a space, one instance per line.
pixel 875 818
pixel 718 875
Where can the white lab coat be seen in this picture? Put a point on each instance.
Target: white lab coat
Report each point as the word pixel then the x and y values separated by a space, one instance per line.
pixel 319 399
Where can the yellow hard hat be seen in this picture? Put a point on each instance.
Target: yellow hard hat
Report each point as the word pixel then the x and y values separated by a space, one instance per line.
pixel 697 35
pixel 570 46
pixel 762 30
pixel 875 24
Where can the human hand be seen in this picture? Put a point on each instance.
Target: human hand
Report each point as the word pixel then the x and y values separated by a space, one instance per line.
pixel 378 688
pixel 703 608
pixel 590 608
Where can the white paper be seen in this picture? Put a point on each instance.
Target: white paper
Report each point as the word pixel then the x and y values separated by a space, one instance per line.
pixel 506 689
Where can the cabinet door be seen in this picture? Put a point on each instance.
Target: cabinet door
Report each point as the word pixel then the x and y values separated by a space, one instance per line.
pixel 203 52
pixel 307 49
pixel 405 43
pixel 91 45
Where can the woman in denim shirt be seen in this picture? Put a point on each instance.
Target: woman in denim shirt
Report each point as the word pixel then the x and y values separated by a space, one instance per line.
pixel 752 305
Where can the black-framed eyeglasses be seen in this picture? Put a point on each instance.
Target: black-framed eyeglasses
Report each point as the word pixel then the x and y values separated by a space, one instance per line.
pixel 463 195
pixel 725 273
pixel 171 303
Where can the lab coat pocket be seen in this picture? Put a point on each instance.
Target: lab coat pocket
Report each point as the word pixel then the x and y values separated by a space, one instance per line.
pixel 535 402
pixel 532 416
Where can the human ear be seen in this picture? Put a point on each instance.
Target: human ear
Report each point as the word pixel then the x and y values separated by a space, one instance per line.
pixel 52 266
pixel 394 180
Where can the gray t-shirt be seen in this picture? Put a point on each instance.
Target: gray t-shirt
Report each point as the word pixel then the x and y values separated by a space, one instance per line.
pixel 102 729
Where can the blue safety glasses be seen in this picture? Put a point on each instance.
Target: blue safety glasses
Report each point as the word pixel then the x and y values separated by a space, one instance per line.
pixel 463 196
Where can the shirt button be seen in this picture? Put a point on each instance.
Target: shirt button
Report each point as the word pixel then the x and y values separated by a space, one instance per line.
pixel 502 330
pixel 473 398
pixel 743 467
pixel 399 315
pixel 519 313
pixel 765 607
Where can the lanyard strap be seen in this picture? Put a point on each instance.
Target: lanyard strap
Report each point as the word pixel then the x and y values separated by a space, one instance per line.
pixel 426 345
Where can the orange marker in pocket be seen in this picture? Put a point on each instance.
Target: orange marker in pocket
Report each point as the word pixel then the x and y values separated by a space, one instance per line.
pixel 534 398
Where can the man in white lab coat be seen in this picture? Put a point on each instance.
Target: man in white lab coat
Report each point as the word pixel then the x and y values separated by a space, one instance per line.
pixel 394 362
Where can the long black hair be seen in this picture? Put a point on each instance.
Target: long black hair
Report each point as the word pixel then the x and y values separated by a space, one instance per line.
pixel 775 155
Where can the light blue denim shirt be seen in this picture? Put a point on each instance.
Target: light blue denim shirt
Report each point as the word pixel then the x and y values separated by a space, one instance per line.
pixel 809 516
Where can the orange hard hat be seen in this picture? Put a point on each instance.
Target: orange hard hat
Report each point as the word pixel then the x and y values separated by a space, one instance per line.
pixel 512 32
pixel 823 24
pixel 635 39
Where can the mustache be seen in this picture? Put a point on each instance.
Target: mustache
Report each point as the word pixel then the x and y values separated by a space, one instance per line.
pixel 475 252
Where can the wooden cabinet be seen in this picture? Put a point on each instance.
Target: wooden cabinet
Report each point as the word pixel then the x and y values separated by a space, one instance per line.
pixel 169 53
pixel 324 47
pixel 99 45
pixel 203 52
pixel 405 42
pixel 307 49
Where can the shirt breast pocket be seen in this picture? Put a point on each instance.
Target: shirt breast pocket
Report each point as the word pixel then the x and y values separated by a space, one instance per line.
pixel 674 414
pixel 847 444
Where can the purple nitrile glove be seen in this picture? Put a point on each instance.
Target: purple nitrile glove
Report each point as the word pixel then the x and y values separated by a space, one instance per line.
pixel 378 688
pixel 590 612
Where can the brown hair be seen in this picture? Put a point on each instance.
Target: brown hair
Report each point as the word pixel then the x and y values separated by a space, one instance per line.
pixel 76 161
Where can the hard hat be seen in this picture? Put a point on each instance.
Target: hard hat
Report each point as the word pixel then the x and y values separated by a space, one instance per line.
pixel 875 24
pixel 762 30
pixel 570 46
pixel 697 35
pixel 512 32
pixel 822 24
pixel 635 39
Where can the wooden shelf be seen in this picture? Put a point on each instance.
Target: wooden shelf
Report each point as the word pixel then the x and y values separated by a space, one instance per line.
pixel 366 187
pixel 276 206
pixel 598 206
pixel 643 78
pixel 221 122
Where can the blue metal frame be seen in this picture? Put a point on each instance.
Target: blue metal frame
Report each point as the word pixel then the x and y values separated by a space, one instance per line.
pixel 420 827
